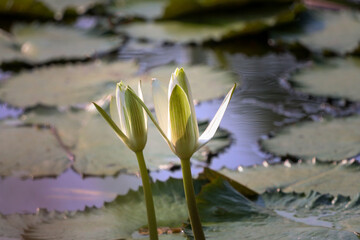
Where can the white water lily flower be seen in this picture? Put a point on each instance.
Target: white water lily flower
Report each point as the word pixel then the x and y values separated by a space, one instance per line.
pixel 176 115
pixel 128 118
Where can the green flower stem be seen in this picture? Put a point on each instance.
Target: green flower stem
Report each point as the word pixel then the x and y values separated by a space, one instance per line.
pixel 190 199
pixel 148 196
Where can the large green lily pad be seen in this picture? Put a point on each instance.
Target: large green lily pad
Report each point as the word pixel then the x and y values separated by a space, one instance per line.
pixel 161 9
pixel 342 178
pixel 120 219
pixel 30 152
pixel 65 85
pixel 336 78
pixel 326 140
pixel 226 214
pixel 98 151
pixel 206 27
pixel 27 8
pixel 321 30
pixel 38 43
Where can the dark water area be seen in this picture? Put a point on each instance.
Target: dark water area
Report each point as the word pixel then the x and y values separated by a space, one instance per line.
pixel 260 105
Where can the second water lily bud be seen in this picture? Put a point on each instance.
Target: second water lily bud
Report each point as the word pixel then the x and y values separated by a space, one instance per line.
pixel 128 118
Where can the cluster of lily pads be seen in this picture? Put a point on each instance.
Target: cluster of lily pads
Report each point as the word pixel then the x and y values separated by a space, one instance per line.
pixel 313 193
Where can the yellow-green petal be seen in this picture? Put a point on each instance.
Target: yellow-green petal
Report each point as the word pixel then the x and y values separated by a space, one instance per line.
pixel 137 122
pixel 215 122
pixel 183 131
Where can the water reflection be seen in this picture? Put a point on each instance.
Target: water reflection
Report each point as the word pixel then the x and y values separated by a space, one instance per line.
pixel 67 192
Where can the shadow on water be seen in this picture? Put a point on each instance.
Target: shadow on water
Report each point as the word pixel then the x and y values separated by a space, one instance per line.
pixel 259 106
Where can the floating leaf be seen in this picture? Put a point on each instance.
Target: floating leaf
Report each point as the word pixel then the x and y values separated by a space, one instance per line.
pixel 122 218
pixel 65 85
pixel 45 8
pixel 304 177
pixel 226 214
pixel 30 152
pixel 13 226
pixel 326 140
pixel 27 8
pixel 160 9
pixel 334 31
pixel 38 43
pixel 336 78
pixel 80 6
pixel 206 27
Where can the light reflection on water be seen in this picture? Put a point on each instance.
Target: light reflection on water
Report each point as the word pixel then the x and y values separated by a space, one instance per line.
pixel 67 192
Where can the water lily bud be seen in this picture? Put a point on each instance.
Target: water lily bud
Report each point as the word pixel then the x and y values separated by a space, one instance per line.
pixel 137 120
pixel 184 132
pixel 128 118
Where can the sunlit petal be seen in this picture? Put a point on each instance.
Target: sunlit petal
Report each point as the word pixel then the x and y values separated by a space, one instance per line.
pixel 137 129
pixel 151 116
pixel 140 94
pixel 215 122
pixel 179 77
pixel 183 131
pixel 114 111
pixel 113 125
pixel 159 94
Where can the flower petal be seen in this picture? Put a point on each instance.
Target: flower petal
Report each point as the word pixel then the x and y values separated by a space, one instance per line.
pixel 151 116
pixel 215 122
pixel 114 111
pixel 178 77
pixel 137 132
pixel 160 99
pixel 113 125
pixel 183 131
pixel 120 102
pixel 140 94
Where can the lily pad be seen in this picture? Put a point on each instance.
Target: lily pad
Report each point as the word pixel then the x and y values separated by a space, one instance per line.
pixel 12 227
pixel 30 152
pixel 99 152
pixel 336 78
pixel 326 140
pixel 27 8
pixel 121 218
pixel 38 43
pixel 226 214
pixel 216 27
pixel 80 6
pixel 65 85
pixel 162 9
pixel 343 178
pixel 323 30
